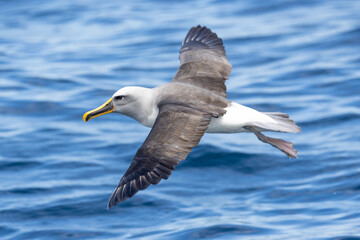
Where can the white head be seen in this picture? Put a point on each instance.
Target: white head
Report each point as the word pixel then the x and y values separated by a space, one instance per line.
pixel 130 101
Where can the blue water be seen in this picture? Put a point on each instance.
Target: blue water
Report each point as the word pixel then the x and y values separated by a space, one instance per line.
pixel 59 59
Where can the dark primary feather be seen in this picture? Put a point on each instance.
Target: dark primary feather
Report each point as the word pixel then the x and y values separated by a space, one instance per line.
pixel 176 131
pixel 202 37
pixel 203 61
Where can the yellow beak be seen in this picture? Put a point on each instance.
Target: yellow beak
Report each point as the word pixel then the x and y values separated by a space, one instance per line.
pixel 107 107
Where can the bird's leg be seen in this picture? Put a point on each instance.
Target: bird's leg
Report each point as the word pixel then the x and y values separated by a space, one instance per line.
pixel 284 146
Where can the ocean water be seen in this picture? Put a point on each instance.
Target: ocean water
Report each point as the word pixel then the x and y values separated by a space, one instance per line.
pixel 59 59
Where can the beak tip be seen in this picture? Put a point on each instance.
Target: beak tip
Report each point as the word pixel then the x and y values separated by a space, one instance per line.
pixel 85 117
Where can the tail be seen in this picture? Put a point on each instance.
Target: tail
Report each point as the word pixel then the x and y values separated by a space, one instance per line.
pixel 282 123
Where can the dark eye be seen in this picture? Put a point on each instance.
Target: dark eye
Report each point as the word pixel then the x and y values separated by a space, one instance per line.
pixel 118 98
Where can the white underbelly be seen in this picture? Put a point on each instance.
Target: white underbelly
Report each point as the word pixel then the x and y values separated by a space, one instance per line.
pixel 236 118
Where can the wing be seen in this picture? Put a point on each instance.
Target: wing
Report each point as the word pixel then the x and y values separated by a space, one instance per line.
pixel 176 131
pixel 203 62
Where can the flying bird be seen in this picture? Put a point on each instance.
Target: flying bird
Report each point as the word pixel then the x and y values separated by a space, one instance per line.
pixel 180 112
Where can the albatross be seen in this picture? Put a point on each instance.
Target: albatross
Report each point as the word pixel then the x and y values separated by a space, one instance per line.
pixel 179 113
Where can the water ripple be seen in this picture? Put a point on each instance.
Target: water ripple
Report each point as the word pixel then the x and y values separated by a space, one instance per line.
pixel 63 58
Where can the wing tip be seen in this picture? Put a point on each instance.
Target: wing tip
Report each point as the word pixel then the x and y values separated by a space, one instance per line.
pixel 111 203
pixel 126 190
pixel 204 37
